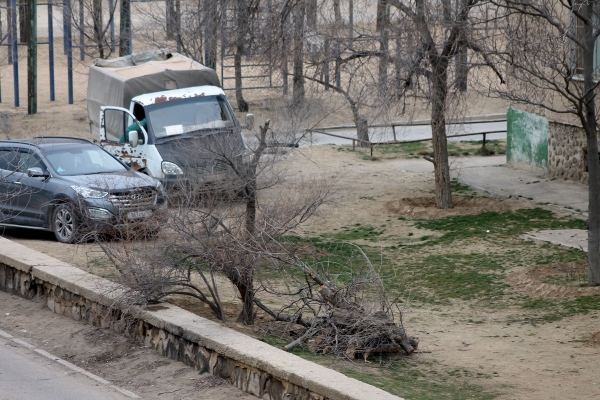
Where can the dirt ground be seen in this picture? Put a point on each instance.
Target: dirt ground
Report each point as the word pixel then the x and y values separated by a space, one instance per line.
pixel 124 362
pixel 548 361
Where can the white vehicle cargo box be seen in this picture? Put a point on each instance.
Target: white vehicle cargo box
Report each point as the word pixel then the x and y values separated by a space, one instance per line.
pixel 116 81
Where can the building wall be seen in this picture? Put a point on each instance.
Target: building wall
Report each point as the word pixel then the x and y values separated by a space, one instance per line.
pixel 566 152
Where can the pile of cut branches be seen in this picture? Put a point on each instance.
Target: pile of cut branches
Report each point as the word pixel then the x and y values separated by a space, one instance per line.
pixel 350 312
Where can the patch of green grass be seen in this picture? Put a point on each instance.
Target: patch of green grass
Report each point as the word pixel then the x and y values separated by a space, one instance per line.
pixel 457 276
pixel 545 310
pixel 506 224
pixel 356 232
pixel 418 384
pixel 459 188
pixel 414 381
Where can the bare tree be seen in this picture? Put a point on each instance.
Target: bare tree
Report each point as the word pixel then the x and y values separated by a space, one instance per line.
pixel 548 49
pixel 221 232
pixel 441 36
pixel 90 19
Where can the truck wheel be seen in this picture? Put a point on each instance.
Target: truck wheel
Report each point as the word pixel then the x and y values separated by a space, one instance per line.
pixel 65 224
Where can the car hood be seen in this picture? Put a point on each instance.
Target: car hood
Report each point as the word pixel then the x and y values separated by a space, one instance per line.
pixel 113 181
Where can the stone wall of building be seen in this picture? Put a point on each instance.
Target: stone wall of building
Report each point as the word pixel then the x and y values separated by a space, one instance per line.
pixel 567 152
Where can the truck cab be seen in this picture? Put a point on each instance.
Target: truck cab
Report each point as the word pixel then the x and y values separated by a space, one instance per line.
pixel 188 135
pixel 165 115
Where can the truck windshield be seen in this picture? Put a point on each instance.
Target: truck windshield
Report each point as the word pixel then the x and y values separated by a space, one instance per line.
pixel 191 115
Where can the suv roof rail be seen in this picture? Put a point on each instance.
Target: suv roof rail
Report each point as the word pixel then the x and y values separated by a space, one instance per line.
pixel 63 137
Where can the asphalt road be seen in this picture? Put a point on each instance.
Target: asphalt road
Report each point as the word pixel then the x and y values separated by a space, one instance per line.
pixel 25 375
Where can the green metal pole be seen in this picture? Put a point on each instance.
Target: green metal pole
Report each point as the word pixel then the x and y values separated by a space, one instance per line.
pixel 32 59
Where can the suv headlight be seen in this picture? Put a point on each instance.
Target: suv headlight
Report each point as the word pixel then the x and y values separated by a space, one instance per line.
pixel 169 168
pixel 89 193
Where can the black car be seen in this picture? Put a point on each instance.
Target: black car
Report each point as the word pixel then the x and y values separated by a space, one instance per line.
pixel 73 187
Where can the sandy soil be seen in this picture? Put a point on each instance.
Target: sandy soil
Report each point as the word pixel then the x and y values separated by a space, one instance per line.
pixel 547 361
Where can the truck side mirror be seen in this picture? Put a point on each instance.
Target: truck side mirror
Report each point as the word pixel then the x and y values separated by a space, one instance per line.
pixel 250 121
pixel 133 138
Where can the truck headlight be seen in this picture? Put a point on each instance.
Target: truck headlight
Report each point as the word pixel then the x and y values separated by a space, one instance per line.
pixel 169 168
pixel 89 193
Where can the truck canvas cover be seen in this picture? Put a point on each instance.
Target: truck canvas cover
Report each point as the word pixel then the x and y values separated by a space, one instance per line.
pixel 116 81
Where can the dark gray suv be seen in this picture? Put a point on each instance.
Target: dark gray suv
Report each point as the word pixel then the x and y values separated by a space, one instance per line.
pixel 73 187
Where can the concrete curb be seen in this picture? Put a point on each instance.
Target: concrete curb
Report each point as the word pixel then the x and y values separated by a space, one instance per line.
pixel 249 364
pixel 67 364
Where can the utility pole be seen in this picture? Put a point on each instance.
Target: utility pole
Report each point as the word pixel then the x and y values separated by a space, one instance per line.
pixel 32 59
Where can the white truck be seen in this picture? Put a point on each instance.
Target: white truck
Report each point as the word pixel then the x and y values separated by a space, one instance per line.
pixel 165 115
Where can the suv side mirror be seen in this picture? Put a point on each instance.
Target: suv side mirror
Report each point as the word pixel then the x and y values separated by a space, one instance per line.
pixel 133 138
pixel 36 172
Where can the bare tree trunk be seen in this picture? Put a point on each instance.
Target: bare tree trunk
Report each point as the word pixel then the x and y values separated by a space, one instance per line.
pixel 244 281
pixel 98 26
pixel 384 42
pixel 210 33
pixel 462 69
pixel 241 18
pixel 362 129
pixel 171 19
pixel 246 290
pixel 591 130
pixel 23 23
pixel 461 58
pixel 439 84
pixel 124 28
pixel 237 63
pixel 311 14
pixel 337 12
pixel 298 94
pixel 447 10
pixel 381 6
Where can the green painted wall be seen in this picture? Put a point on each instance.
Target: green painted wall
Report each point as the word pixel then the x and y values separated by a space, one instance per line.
pixel 526 138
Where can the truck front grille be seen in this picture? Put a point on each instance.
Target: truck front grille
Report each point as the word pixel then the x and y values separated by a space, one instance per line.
pixel 215 168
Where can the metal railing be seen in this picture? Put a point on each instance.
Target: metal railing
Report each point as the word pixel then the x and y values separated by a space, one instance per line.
pixel 372 144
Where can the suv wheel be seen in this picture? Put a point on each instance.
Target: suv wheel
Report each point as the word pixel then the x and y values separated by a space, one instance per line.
pixel 65 224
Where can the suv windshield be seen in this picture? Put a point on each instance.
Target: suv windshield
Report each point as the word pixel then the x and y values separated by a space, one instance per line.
pixel 82 160
pixel 182 116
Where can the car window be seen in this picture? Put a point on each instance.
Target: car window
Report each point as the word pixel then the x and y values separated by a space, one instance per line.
pixel 9 159
pixel 28 160
pixel 83 161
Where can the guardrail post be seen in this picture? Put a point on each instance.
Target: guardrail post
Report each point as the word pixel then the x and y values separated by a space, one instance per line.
pixel 353 145
pixel 484 139
pixel 394 130
pixel 371 151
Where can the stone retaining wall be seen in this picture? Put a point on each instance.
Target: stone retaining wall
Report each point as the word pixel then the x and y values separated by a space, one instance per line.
pixel 566 152
pixel 249 364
